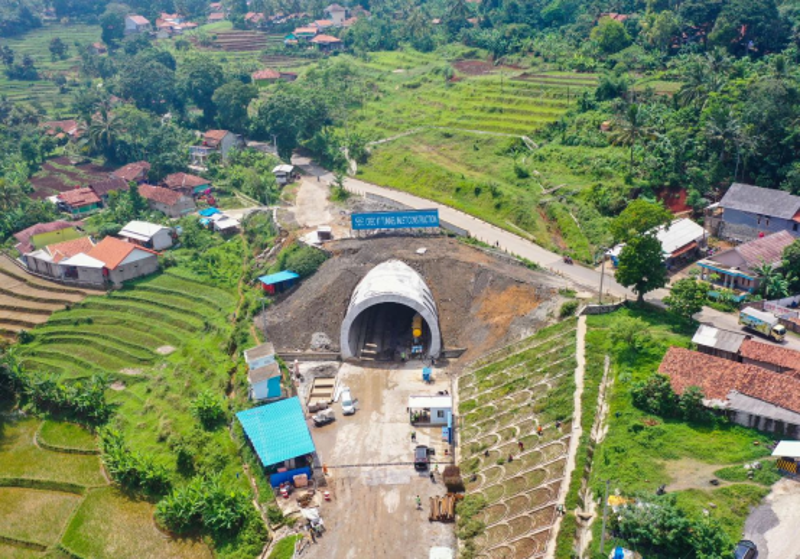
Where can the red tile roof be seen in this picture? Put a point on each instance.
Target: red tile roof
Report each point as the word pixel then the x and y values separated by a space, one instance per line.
pixel 772 354
pixel 25 235
pixel 304 30
pixel 323 23
pixel 139 20
pixel 159 194
pixel 112 251
pixel 69 127
pixel 133 171
pixel 79 197
pixel 184 180
pixel 214 137
pixel 325 39
pixel 266 74
pixel 68 249
pixel 216 16
pixel 101 188
pixel 717 377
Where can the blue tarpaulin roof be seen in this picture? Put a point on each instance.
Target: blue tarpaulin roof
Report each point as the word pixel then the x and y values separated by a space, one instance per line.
pixel 208 212
pixel 277 431
pixel 272 279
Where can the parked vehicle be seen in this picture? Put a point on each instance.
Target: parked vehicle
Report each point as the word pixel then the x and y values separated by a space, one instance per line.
pixel 348 404
pixel 745 549
pixel 421 459
pixel 766 324
pixel 323 417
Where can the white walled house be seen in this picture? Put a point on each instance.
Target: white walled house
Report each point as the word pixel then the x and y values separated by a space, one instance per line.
pixel 123 261
pixel 147 235
pixel 136 24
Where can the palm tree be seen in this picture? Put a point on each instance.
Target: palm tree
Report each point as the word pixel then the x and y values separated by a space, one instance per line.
pixel 103 133
pixel 773 283
pixel 630 127
pixel 723 127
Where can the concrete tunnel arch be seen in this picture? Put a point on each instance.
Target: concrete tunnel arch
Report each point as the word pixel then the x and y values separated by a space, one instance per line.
pixel 395 282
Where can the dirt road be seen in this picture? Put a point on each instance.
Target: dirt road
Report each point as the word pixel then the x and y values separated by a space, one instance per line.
pixel 312 208
pixel 773 525
pixel 373 511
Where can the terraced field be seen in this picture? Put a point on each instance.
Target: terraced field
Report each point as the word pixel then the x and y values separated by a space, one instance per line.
pixel 27 301
pixel 55 503
pixel 480 96
pixel 125 332
pixel 35 43
pixel 516 469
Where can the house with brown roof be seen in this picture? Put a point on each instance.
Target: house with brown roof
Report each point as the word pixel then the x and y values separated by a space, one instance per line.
pixel 749 395
pixel 736 268
pixel 97 48
pixel 768 356
pixel 255 20
pixel 80 201
pixel 265 76
pixel 136 172
pixel 219 141
pixel 169 202
pixel 215 17
pixel 61 128
pixel 43 234
pixel 322 24
pixel 136 24
pixel 121 261
pixel 47 260
pixel 190 185
pixel 111 184
pixel 327 43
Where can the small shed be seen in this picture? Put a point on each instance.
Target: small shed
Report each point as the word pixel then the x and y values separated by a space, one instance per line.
pixel 279 435
pixel 429 410
pixel 278 283
pixel 788 453
pixel 259 356
pixel 719 343
pixel 283 174
pixel 265 382
pixel 209 212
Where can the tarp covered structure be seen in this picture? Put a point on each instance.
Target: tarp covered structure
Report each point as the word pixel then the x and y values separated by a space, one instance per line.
pixel 277 431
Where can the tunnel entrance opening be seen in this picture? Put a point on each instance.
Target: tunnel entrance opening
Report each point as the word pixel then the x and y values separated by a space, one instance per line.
pixel 383 332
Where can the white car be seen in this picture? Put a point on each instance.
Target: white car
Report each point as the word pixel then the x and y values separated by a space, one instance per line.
pixel 348 404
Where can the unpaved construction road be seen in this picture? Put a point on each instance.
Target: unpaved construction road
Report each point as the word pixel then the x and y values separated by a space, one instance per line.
pixel 773 525
pixel 372 481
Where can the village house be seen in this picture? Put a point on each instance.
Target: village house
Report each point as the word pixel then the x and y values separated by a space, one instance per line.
pixel 327 43
pixel 61 128
pixel 190 185
pixel 322 24
pixel 719 343
pixel 215 7
pixel 284 174
pixel 265 76
pixel 97 48
pixel 43 234
pixel 111 184
pixel 736 268
pixel 279 436
pixel 46 261
pixel 80 201
pixel 169 202
pixel 136 24
pixel 133 172
pixel 215 141
pixel 147 235
pixel 305 33
pixel 215 17
pixel 767 356
pixel 749 395
pixel 680 242
pixel 336 14
pixel 121 261
pixel 255 20
pixel 264 374
pixel 747 212
pixel 349 22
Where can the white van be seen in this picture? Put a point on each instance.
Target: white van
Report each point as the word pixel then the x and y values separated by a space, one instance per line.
pixel 348 404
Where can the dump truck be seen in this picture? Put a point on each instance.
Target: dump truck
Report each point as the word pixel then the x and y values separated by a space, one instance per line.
pixel 766 324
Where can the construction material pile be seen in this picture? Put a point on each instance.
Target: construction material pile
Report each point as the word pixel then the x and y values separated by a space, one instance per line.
pixel 443 508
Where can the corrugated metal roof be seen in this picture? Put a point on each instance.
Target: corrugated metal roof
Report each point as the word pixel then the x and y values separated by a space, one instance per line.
pixel 681 232
pixel 724 340
pixel 757 200
pixel 417 402
pixel 272 279
pixel 787 449
pixel 264 350
pixel 277 431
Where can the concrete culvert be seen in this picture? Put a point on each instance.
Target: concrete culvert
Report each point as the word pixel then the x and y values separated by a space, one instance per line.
pixel 382 315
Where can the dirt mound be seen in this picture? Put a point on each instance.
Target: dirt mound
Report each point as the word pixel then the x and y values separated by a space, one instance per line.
pixel 483 300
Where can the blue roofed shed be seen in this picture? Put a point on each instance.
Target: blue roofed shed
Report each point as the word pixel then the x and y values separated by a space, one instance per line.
pixel 277 283
pixel 278 433
pixel 208 212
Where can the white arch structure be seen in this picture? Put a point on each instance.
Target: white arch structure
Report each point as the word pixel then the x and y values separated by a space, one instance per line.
pixel 392 281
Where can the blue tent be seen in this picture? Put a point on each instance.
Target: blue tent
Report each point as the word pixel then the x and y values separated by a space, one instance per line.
pixel 277 431
pixel 208 212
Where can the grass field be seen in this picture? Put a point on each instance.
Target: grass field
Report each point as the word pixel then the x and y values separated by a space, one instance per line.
pixel 499 180
pixel 35 43
pixel 503 399
pixel 67 435
pixel 33 515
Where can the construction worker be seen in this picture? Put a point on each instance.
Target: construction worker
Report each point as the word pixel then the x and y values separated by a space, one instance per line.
pixel 539 430
pixel 413 436
pixel 419 503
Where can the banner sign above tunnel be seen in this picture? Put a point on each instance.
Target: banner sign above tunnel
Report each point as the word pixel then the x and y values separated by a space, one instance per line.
pixel 410 219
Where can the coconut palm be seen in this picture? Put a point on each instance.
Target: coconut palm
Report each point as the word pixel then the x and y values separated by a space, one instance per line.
pixel 103 133
pixel 630 127
pixel 773 283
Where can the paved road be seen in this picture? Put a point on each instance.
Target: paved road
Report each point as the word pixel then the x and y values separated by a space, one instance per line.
pixel 582 276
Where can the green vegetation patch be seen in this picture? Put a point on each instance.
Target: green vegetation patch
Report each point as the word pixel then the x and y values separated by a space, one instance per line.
pixel 284 549
pixel 108 524
pixel 68 435
pixel 35 516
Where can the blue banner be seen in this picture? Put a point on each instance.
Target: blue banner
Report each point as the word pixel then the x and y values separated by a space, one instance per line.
pixel 395 220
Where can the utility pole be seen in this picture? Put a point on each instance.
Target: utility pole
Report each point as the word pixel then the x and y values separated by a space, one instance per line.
pixel 264 315
pixel 602 273
pixel 605 514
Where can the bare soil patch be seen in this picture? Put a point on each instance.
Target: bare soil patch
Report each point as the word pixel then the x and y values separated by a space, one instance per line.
pixel 59 175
